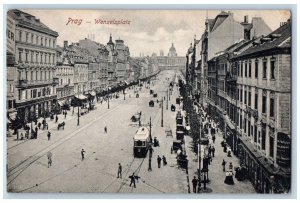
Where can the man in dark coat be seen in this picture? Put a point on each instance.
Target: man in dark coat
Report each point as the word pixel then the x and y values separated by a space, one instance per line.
pixel 132 179
pixel 82 154
pixel 158 161
pixel 36 132
pixel 195 182
pixel 120 170
pixel 49 135
pixel 56 119
pixel 213 151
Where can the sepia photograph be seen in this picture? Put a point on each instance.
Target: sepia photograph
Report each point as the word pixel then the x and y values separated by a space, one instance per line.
pixel 121 101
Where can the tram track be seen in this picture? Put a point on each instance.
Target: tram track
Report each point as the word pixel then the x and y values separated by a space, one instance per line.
pixel 15 171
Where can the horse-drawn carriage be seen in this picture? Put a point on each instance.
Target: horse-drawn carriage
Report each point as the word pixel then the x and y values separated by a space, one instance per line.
pixel 151 103
pixel 173 108
pixel 136 117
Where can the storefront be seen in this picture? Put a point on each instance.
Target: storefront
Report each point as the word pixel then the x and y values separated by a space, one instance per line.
pixel 265 177
pixel 231 135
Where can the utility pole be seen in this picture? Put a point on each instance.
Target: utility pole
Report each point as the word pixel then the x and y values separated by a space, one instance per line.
pixel 199 159
pixel 108 101
pixel 167 98
pixel 78 116
pixel 150 130
pixel 162 112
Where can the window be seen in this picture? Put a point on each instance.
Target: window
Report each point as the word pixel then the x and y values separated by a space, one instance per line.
pixel 263 137
pixel 31 78
pixel 31 57
pixel 241 95
pixel 36 75
pixel 41 75
pixel 245 97
pixel 264 104
pixel 20 36
pixel 27 34
pixel 37 40
pixel 53 43
pixel 249 128
pixel 50 43
pixel 271 146
pixel 264 69
pixel 241 69
pixel 49 59
pixel 20 56
pixel 34 93
pixel 272 69
pixel 32 36
pixel 46 42
pixel 246 70
pixel 256 101
pixel 255 133
pixel 45 58
pixel 42 41
pixel 256 68
pixel 250 69
pixel 41 61
pixel 249 99
pixel 245 125
pixel 271 107
pixel 26 57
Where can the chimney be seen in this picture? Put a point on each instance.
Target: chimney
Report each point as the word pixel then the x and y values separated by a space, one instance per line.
pixel 246 19
pixel 65 44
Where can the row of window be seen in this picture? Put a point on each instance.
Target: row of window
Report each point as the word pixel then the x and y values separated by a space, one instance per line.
pixel 38 75
pixel 34 93
pixel 36 57
pixel 246 98
pixel 36 39
pixel 258 137
pixel 245 68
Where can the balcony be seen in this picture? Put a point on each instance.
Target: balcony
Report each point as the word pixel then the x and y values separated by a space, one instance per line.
pixel 55 81
pixel 22 84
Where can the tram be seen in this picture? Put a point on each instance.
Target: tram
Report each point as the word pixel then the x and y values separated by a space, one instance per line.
pixel 141 142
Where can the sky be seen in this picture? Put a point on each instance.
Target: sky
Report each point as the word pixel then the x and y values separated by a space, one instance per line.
pixel 148 31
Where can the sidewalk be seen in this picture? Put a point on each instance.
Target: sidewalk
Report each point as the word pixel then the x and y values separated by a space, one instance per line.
pixel 215 173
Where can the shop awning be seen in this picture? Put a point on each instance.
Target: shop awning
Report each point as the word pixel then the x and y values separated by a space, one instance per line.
pixel 93 93
pixel 61 103
pixel 80 97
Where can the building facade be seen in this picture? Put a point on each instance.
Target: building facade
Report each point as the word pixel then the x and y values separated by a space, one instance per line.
pixel 35 51
pixel 264 86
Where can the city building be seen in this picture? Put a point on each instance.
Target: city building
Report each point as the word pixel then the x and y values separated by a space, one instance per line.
pixel 172 61
pixel 65 74
pixel 220 33
pixel 263 111
pixel 35 59
pixel 10 70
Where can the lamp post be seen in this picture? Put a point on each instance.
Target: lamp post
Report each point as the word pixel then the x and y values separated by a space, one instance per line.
pixel 150 130
pixel 78 116
pixel 162 112
pixel 167 99
pixel 108 101
pixel 199 159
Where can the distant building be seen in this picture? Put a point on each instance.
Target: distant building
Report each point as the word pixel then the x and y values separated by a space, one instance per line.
pixel 172 61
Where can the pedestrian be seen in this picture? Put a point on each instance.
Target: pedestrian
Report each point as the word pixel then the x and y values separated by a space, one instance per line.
pixel 82 154
pixel 158 161
pixel 48 135
pixel 105 129
pixel 49 161
pixel 223 164
pixel 56 119
pixel 209 151
pixel 39 125
pixel 195 182
pixel 65 113
pixel 132 180
pixel 230 166
pixel 120 171
pixel 150 151
pixel 36 132
pixel 164 160
pixel 149 166
pixel 213 138
pixel 213 151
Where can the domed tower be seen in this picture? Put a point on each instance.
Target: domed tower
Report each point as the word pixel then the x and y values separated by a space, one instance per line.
pixel 172 51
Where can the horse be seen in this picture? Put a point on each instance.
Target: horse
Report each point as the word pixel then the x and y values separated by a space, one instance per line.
pixel 61 125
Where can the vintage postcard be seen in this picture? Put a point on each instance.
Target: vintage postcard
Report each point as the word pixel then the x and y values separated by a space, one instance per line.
pixel 148 101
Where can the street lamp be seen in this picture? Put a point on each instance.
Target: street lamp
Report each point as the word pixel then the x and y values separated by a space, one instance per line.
pixel 162 112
